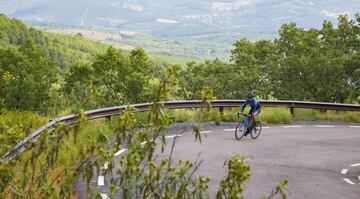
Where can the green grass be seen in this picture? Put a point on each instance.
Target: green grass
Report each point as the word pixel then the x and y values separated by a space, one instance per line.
pixel 306 114
pixel 269 115
pixel 278 115
pixel 341 116
pixel 90 133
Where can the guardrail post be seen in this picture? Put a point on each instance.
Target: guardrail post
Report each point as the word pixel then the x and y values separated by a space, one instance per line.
pixel 221 110
pixel 292 111
pixel 322 110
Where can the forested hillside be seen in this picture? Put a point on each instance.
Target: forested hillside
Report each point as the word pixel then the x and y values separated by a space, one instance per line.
pixel 37 69
pixel 48 73
pixel 315 65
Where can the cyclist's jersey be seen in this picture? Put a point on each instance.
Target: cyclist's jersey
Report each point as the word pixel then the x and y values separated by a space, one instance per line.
pixel 254 104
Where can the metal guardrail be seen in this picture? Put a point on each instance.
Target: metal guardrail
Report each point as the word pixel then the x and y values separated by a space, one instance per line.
pixel 221 104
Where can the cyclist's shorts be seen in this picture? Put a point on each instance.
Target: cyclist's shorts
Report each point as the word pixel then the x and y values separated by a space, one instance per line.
pixel 253 110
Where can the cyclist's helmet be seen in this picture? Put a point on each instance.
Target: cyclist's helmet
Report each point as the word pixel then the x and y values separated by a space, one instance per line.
pixel 250 95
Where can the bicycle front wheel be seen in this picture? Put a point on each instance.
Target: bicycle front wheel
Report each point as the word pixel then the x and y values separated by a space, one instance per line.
pixel 256 130
pixel 240 130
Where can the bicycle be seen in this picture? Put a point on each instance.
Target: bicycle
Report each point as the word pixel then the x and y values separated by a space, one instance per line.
pixel 245 125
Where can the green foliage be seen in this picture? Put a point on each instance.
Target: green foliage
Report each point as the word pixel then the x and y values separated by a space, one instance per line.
pixel 305 114
pixel 232 185
pixel 338 115
pixel 27 78
pixel 281 188
pixel 15 125
pixel 311 65
pixel 275 115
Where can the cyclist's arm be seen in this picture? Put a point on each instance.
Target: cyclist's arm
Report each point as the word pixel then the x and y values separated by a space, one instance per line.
pixel 258 107
pixel 243 107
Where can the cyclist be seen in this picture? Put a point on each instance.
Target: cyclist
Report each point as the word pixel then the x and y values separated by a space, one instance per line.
pixel 255 108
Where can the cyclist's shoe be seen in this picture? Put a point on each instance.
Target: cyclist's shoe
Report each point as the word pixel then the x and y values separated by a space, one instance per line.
pixel 247 132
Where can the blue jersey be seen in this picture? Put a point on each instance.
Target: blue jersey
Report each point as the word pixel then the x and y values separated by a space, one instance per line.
pixel 254 104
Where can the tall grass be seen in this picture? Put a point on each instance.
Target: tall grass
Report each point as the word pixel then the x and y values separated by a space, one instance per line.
pixel 278 115
pixel 90 133
pixel 269 115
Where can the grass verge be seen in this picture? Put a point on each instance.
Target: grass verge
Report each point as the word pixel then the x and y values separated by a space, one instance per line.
pixel 269 115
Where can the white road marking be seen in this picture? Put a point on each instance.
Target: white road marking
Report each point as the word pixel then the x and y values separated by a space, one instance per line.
pixel 204 132
pixel 355 165
pixel 173 136
pixel 266 127
pixel 354 126
pixel 104 196
pixel 344 171
pixel 324 126
pixel 348 181
pixel 101 181
pixel 120 152
pixel 229 129
pixel 292 126
pixel 106 165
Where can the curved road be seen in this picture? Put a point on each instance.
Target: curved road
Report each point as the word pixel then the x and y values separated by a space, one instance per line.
pixel 320 161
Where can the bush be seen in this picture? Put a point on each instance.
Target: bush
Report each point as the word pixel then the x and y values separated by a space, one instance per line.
pixel 278 115
pixel 305 114
pixel 15 125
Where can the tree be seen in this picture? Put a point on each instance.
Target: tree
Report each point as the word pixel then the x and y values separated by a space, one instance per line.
pixel 121 79
pixel 29 78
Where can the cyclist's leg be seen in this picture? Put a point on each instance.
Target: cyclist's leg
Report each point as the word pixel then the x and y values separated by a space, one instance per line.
pixel 256 114
pixel 251 120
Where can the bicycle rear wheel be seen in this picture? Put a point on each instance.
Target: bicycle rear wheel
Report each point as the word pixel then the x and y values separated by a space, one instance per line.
pixel 240 130
pixel 256 130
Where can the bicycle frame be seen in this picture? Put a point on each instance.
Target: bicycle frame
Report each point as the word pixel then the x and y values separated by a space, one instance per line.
pixel 246 120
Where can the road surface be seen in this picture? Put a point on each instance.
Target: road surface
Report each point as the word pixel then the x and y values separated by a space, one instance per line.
pixel 320 161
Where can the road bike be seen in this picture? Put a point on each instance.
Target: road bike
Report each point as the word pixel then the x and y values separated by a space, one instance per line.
pixel 246 127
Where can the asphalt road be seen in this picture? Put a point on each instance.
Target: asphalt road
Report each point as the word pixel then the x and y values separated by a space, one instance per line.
pixel 320 161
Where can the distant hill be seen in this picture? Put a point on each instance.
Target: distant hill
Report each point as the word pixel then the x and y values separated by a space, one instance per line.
pixel 181 18
pixel 177 30
pixel 62 49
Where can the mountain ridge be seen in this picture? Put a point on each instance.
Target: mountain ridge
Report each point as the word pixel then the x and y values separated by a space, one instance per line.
pixel 180 18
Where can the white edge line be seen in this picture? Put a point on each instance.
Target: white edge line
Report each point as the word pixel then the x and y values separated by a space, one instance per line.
pixel 104 196
pixel 101 180
pixel 266 127
pixel 120 152
pixel 324 126
pixel 229 129
pixel 355 165
pixel 106 165
pixel 204 132
pixel 344 171
pixel 292 126
pixel 354 126
pixel 173 136
pixel 348 181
